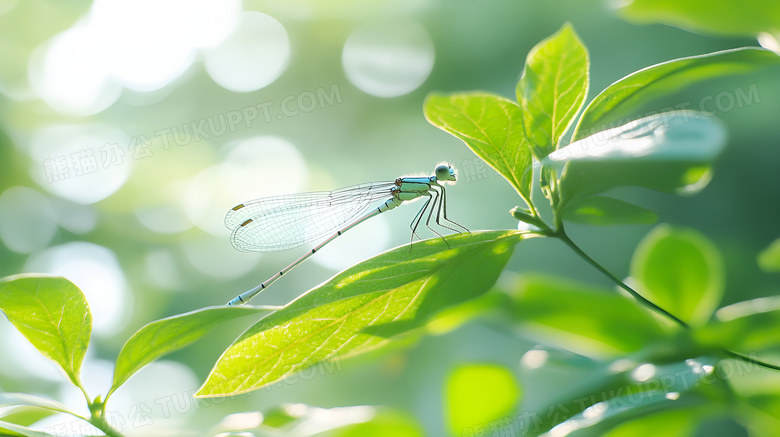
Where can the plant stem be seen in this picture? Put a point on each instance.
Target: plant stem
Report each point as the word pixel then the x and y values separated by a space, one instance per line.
pixel 747 359
pixel 561 234
pixel 101 424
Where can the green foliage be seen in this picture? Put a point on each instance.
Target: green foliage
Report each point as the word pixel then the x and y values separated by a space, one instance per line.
pixel 305 420
pixel 492 127
pixel 361 308
pixel 668 152
pixel 552 89
pixel 27 410
pixel 437 285
pixel 749 326
pixel 170 334
pixel 602 210
pixel 629 94
pixel 477 394
pixel 670 423
pixel 769 258
pixel 679 270
pixel 719 17
pixel 53 315
pixel 587 320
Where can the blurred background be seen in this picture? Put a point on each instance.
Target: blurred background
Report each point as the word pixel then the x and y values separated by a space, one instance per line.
pixel 129 128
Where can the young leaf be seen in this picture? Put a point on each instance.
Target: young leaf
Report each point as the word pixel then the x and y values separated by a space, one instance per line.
pixel 359 309
pixel 552 89
pixel 719 17
pixel 9 399
pixel 12 429
pixel 492 127
pixel 612 413
pixel 24 415
pixel 600 210
pixel 749 326
pixel 52 314
pixel 681 271
pixel 589 321
pixel 670 423
pixel 170 334
pixel 624 97
pixel 769 258
pixel 477 394
pixel 665 152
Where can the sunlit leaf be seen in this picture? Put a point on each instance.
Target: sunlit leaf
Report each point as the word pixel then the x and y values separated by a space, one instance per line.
pixel 359 309
pixel 385 423
pixel 357 421
pixel 173 333
pixel 623 98
pixel 719 17
pixel 552 89
pixel 769 258
pixel 668 152
pixel 492 127
pixel 26 400
pixel 8 399
pixel 587 320
pixel 600 210
pixel 671 423
pixel 24 415
pixel 604 416
pixel 12 429
pixel 681 271
pixel 477 394
pixel 52 314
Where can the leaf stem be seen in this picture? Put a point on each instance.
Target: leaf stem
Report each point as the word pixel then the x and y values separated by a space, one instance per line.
pixel 561 234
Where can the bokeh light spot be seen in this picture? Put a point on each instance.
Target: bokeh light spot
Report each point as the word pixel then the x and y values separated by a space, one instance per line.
pixel 81 163
pixel 388 60
pixel 67 73
pixel 28 221
pixel 252 57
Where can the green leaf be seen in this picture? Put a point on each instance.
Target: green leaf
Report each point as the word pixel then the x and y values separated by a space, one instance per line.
pixel 769 258
pixel 385 423
pixel 26 400
pixel 363 420
pixel 477 394
pixel 670 423
pixel 24 415
pixel 600 210
pixel 587 320
pixel 668 152
pixel 173 333
pixel 624 415
pixel 492 127
pixel 624 97
pixel 719 17
pixel 9 399
pixel 681 271
pixel 359 309
pixel 552 89
pixel 52 314
pixel 12 429
pixel 749 326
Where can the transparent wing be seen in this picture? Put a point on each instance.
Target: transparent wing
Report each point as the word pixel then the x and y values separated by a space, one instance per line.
pixel 284 222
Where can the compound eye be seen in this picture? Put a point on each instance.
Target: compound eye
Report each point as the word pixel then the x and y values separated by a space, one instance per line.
pixel 442 172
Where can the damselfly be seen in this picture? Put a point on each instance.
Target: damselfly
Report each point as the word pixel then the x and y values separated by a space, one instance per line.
pixel 283 222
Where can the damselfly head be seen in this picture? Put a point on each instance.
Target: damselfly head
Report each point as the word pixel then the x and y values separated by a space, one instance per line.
pixel 444 172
